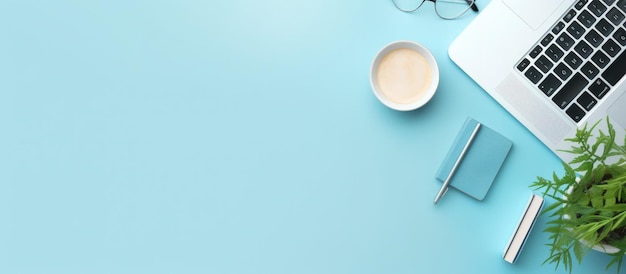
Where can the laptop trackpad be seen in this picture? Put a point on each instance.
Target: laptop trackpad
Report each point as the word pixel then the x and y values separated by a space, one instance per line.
pixel 533 12
pixel 617 112
pixel 532 112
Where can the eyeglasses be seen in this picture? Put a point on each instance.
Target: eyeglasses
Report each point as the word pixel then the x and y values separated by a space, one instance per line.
pixel 446 9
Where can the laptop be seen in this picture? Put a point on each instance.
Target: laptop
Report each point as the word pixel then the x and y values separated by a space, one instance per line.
pixel 555 65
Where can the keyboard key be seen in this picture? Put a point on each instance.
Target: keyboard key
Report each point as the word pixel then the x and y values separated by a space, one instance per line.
pixel 580 4
pixel 589 70
pixel 575 112
pixel 583 49
pixel 535 52
pixel 573 60
pixel 569 16
pixel 565 41
pixel 604 27
pixel 587 101
pixel 558 27
pixel 543 64
pixel 615 16
pixel 594 38
pixel 562 71
pixel 608 2
pixel 600 59
pixel 523 65
pixel 547 39
pixel 620 36
pixel 616 70
pixel 611 48
pixel 586 19
pixel 599 88
pixel 533 75
pixel 554 53
pixel 576 30
pixel 550 85
pixel 570 90
pixel 621 4
pixel 596 7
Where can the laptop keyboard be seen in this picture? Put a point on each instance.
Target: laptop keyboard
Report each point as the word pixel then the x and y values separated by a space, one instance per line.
pixel 581 58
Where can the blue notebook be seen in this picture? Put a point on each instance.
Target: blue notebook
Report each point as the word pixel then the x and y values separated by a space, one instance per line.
pixel 481 163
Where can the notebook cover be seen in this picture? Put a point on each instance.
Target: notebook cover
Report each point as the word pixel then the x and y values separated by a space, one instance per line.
pixel 481 163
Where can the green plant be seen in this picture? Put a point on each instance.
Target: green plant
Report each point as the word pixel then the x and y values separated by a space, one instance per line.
pixel 589 206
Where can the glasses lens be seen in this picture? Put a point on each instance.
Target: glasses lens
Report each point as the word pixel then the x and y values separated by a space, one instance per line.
pixel 408 5
pixel 451 9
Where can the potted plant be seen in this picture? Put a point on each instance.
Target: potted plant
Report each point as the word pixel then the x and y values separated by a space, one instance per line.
pixel 589 209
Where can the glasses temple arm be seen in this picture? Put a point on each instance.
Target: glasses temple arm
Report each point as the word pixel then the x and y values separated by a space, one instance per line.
pixel 472 5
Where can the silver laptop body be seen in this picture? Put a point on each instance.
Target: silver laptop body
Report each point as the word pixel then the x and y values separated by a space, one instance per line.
pixel 499 48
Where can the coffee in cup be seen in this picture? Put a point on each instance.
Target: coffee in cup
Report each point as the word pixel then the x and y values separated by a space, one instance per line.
pixel 404 75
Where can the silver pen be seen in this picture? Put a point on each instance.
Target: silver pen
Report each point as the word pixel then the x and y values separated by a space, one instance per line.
pixel 446 183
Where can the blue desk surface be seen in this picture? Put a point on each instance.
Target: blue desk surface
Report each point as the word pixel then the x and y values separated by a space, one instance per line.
pixel 242 137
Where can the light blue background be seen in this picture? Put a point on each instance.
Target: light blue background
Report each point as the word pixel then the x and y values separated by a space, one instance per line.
pixel 242 137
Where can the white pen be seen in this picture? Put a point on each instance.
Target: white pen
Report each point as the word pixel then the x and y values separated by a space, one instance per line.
pixel 446 183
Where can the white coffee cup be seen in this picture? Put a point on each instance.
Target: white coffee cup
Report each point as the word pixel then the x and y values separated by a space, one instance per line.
pixel 404 75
